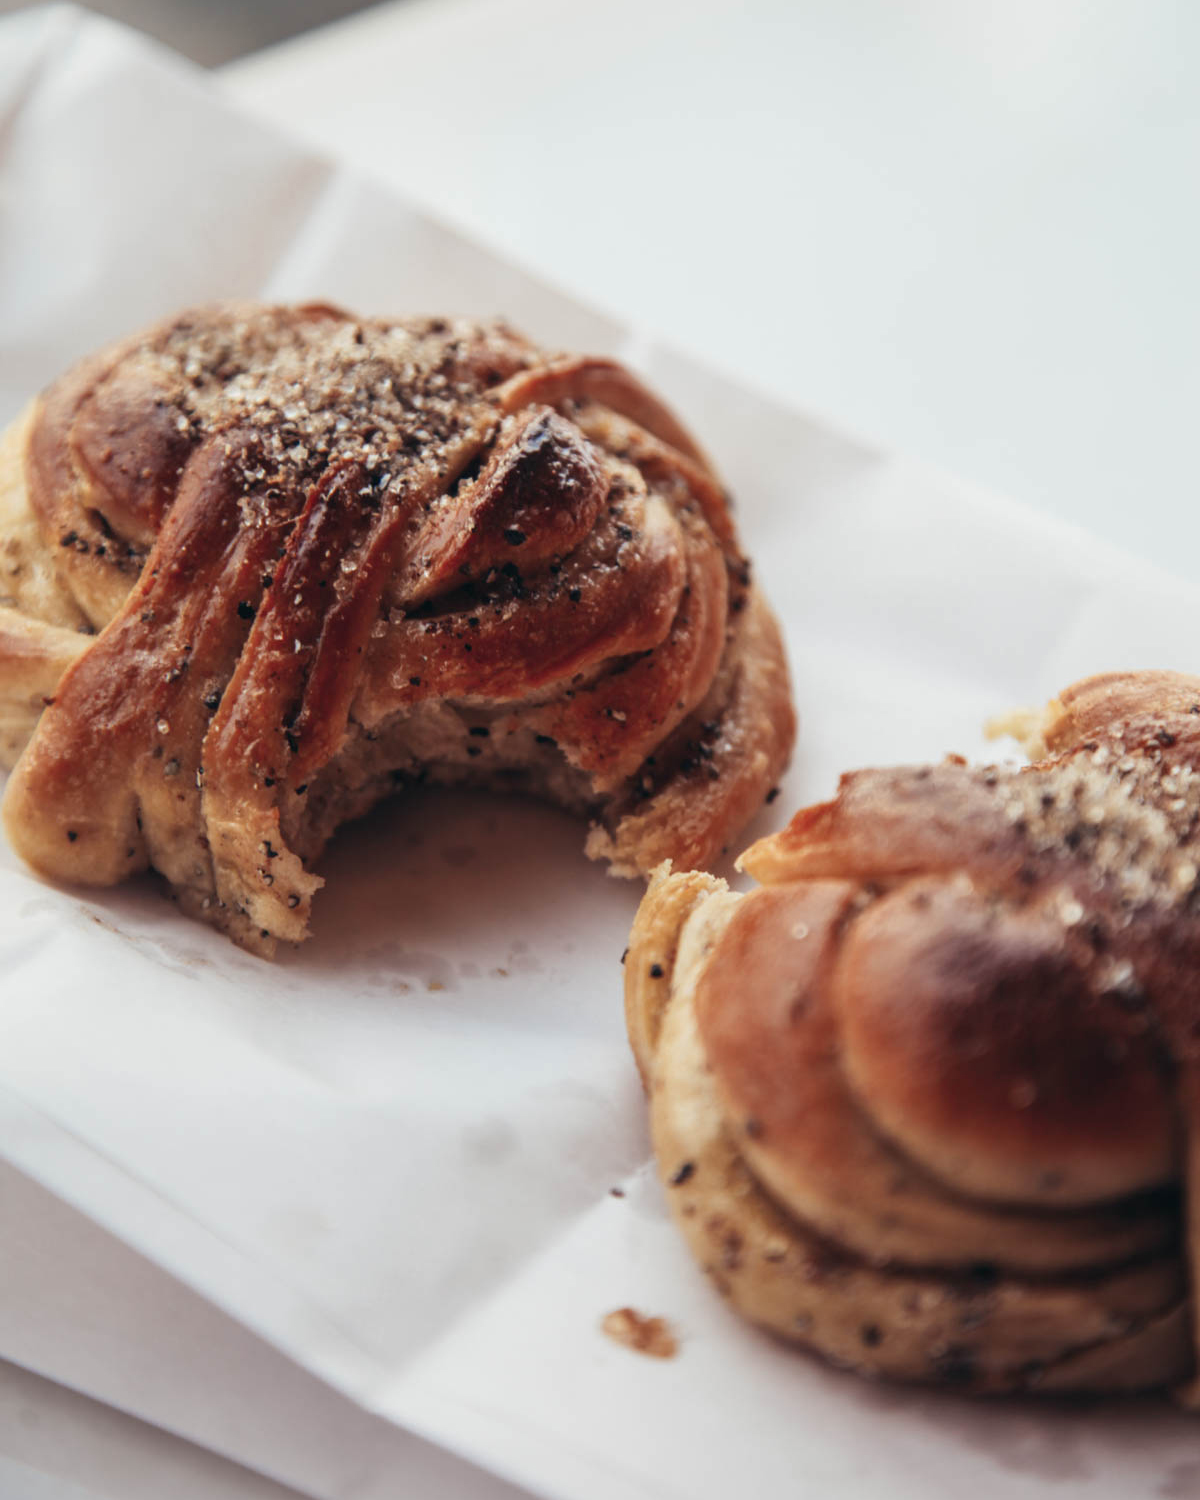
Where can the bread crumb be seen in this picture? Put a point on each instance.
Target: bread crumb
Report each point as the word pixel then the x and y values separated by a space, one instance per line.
pixel 1030 727
pixel 644 1335
pixel 1021 724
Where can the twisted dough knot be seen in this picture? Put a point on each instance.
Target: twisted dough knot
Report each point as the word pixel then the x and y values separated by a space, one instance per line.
pixel 927 1097
pixel 327 556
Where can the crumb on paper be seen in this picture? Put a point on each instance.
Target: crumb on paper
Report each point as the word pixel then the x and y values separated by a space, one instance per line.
pixel 644 1335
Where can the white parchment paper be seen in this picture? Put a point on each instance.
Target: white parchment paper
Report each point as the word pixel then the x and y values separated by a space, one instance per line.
pixel 390 1154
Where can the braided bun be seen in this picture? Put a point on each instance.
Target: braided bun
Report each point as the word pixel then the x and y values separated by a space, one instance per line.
pixel 328 556
pixel 926 1099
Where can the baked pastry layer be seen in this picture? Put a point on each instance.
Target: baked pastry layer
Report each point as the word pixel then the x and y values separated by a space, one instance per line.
pixel 263 565
pixel 926 1098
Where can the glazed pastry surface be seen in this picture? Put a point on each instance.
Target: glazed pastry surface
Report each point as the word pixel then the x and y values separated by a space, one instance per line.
pixel 262 566
pixel 926 1099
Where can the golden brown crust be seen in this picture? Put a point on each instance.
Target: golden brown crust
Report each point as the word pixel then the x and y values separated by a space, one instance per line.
pixel 33 658
pixel 325 555
pixel 708 778
pixel 974 1330
pixel 954 1034
pixel 31 580
pixel 41 627
pixel 653 954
